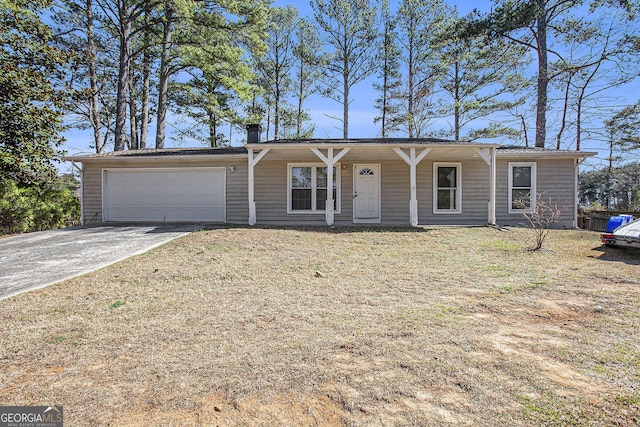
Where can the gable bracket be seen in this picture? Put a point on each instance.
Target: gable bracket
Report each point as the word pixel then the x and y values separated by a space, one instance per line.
pixel 330 159
pixel 484 154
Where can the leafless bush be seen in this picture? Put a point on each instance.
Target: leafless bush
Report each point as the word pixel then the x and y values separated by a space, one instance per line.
pixel 540 215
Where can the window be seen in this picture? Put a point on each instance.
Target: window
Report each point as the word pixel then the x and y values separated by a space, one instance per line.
pixel 522 186
pixel 447 197
pixel 308 188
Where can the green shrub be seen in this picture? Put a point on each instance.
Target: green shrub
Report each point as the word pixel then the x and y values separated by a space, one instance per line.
pixel 33 208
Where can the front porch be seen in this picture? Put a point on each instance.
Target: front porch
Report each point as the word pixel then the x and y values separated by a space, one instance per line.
pixel 389 183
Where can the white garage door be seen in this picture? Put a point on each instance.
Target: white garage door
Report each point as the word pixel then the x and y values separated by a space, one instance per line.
pixel 174 195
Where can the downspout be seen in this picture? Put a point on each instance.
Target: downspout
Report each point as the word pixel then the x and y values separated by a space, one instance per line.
pixel 576 192
pixel 81 172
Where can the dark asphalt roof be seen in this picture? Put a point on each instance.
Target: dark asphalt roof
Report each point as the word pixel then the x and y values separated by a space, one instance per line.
pixel 193 151
pixel 152 152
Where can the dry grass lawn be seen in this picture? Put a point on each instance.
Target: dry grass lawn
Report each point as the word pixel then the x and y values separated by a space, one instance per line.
pixel 366 327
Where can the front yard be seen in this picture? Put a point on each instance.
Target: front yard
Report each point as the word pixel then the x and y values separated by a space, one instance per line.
pixel 433 326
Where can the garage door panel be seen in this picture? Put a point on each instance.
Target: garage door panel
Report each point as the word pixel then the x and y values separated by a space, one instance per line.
pixel 186 194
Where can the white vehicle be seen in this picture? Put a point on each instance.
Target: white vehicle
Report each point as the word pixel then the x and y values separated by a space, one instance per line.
pixel 625 235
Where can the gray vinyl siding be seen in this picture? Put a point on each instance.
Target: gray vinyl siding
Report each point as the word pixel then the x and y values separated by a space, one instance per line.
pixel 395 192
pixel 237 192
pixel 475 194
pixel 92 193
pixel 236 188
pixel 271 194
pixel 271 189
pixel 555 180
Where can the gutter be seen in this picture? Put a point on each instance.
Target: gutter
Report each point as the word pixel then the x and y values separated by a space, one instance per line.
pixel 192 157
pixel 324 145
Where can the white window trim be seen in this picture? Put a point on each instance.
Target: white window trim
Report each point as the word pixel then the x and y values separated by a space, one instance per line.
pixel 534 175
pixel 290 166
pixel 458 209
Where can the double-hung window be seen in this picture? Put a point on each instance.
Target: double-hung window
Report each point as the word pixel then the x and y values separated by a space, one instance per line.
pixel 447 188
pixel 522 186
pixel 307 188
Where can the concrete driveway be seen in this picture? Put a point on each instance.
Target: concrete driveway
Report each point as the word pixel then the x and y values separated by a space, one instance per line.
pixel 34 260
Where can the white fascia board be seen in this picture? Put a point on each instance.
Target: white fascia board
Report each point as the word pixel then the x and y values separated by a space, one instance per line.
pixel 541 155
pixel 130 159
pixel 339 145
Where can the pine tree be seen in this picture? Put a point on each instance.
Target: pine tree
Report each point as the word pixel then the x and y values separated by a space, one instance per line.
pixel 350 28
pixel 388 58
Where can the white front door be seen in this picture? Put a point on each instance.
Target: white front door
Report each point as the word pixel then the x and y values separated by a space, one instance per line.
pixel 366 193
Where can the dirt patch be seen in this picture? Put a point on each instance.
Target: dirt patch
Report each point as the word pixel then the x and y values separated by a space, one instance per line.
pixel 215 410
pixel 427 327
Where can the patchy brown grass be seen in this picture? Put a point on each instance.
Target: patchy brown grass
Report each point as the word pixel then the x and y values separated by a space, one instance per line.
pixel 337 327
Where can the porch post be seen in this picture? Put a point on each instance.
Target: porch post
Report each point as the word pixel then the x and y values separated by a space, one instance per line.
pixel 329 160
pixel 492 188
pixel 413 203
pixel 328 207
pixel 252 200
pixel 489 157
pixel 412 160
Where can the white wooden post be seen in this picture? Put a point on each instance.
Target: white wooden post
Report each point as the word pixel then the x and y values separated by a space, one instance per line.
pixel 252 200
pixel 413 203
pixel 329 160
pixel 413 161
pixel 328 207
pixel 489 157
pixel 492 188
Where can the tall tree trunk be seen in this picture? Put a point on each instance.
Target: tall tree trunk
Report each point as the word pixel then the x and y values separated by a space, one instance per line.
pixel 563 123
pixel 300 92
pixel 120 136
pixel 456 103
pixel 163 83
pixel 543 76
pixel 523 123
pixel 94 102
pixel 133 109
pixel 410 90
pixel 385 82
pixel 345 103
pixel 609 173
pixel 276 109
pixel 268 105
pixel 146 84
pixel 578 123
pixel 213 140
